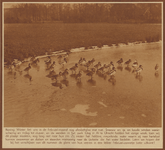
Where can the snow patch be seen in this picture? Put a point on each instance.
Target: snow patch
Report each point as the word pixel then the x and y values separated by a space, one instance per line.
pixel 143 115
pixel 82 109
pixel 121 117
pixel 93 124
pixel 101 103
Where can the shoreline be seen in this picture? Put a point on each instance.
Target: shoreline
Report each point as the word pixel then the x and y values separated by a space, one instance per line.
pixel 82 49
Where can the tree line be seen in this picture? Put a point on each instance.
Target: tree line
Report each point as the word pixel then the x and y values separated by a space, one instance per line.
pixel 84 13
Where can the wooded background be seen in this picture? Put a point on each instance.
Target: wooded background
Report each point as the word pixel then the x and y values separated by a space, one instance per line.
pixel 84 13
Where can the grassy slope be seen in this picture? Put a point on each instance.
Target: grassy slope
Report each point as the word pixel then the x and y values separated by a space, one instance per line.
pixel 23 40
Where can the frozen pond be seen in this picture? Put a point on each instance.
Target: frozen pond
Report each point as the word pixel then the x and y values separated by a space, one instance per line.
pixel 126 100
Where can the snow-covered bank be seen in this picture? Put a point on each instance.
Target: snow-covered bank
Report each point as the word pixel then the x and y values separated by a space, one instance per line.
pixel 83 49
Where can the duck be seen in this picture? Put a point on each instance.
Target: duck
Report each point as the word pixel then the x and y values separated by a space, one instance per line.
pixel 78 76
pixel 102 68
pixel 87 64
pixel 64 62
pixel 128 62
pixel 111 65
pixel 32 58
pixel 92 61
pixel 120 61
pixel 139 69
pixel 90 73
pixel 135 64
pixel 52 65
pixel 66 55
pixel 112 72
pixel 16 63
pixel 51 73
pixel 156 67
pixel 97 65
pixel 48 61
pixel 74 68
pixel 79 62
pixel 59 57
pixel 56 76
pixel 107 66
pixel 57 85
pixel 30 79
pixel 65 73
pixel 82 61
pixel 28 68
pixel 35 61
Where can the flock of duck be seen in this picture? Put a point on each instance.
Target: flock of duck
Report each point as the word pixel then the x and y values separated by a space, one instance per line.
pixel 89 68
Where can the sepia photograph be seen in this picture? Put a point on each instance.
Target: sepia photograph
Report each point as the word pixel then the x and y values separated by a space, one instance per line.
pixel 82 64
pixel 86 73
